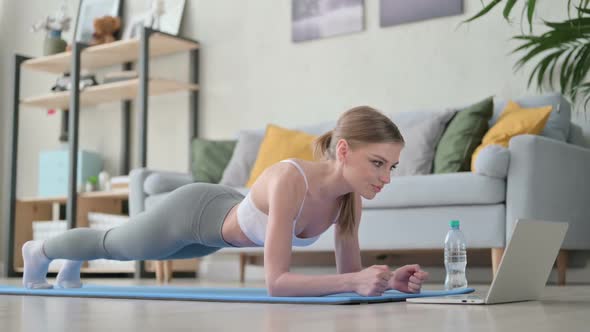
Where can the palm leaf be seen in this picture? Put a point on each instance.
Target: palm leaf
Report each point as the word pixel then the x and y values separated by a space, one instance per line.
pixel 484 11
pixel 564 48
pixel 584 90
pixel 508 8
pixel 530 12
pixel 567 69
pixel 529 7
pixel 542 67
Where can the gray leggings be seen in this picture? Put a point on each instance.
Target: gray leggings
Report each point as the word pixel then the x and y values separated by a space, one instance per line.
pixel 185 224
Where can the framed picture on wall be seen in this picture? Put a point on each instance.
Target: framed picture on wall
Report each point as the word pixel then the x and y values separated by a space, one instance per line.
pixel 90 10
pixel 314 19
pixel 394 12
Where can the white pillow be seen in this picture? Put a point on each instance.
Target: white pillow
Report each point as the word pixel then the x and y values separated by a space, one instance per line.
pixel 493 160
pixel 421 131
pixel 237 171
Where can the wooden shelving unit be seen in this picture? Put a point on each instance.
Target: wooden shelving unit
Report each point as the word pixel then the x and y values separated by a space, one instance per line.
pixel 109 92
pixel 150 44
pixel 114 53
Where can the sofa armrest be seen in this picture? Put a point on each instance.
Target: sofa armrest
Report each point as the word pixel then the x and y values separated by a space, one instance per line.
pixel 549 180
pixel 159 182
pixel 137 195
pixel 145 182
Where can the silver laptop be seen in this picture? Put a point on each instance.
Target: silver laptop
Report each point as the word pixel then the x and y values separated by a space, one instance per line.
pixel 524 269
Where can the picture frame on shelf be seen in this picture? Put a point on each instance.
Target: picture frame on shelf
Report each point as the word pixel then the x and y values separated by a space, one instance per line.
pixel 88 11
pixel 163 15
pixel 171 19
pixel 134 24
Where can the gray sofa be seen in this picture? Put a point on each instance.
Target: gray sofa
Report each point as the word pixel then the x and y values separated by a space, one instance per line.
pixel 546 179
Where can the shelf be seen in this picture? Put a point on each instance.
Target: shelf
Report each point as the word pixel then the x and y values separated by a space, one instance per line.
pixel 106 194
pixel 109 92
pixel 117 194
pixel 105 55
pixel 29 209
pixel 60 199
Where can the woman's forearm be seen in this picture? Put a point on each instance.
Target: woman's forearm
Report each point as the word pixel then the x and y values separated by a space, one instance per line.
pixel 292 284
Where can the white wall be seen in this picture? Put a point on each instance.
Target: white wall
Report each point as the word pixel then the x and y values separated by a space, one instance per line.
pixel 252 74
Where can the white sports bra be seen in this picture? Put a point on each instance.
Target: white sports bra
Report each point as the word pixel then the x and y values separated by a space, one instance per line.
pixel 253 222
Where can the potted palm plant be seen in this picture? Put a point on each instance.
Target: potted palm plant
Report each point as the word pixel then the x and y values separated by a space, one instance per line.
pixel 561 54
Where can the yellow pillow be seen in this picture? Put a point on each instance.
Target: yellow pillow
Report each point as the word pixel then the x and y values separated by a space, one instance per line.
pixel 514 121
pixel 278 144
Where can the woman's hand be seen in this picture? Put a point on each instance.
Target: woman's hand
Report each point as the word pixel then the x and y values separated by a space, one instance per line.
pixel 408 279
pixel 372 281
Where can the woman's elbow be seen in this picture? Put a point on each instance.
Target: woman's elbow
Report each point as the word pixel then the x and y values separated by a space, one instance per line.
pixel 273 292
pixel 274 289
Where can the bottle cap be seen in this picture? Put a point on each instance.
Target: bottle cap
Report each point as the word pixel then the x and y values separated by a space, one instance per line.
pixel 454 223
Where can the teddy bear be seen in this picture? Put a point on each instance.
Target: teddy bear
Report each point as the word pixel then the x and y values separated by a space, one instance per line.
pixel 104 29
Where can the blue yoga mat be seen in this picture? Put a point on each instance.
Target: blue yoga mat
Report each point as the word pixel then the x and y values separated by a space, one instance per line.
pixel 216 294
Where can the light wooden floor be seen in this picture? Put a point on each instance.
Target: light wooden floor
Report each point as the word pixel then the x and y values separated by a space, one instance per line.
pixel 561 309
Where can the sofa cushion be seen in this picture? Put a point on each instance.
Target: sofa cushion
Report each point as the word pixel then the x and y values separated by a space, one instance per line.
pixel 462 136
pixel 514 120
pixel 210 158
pixel 279 144
pixel 578 137
pixel 463 188
pixel 238 169
pixel 558 125
pixel 421 131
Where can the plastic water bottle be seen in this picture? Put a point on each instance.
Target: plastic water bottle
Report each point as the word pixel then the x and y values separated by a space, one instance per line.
pixel 455 257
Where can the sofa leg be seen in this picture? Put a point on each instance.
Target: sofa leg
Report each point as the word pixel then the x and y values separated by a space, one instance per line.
pixel 159 272
pixel 561 266
pixel 168 271
pixel 497 254
pixel 243 262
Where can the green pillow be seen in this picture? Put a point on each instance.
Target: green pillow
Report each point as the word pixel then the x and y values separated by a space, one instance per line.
pixel 462 136
pixel 209 159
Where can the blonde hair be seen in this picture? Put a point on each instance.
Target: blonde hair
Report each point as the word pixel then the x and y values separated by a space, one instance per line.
pixel 358 126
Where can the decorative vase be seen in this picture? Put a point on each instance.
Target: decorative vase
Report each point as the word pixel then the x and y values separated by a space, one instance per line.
pixel 54 43
pixel 103 181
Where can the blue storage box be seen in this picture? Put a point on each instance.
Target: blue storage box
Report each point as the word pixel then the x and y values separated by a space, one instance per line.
pixel 54 171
